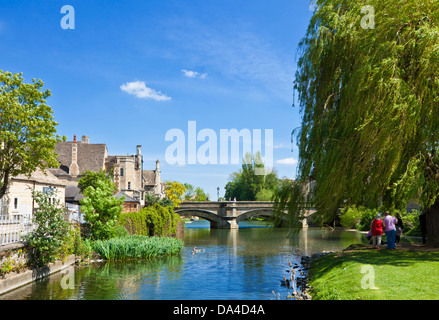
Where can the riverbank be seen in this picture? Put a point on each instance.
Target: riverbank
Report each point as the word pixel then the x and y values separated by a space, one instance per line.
pixel 361 273
pixel 15 280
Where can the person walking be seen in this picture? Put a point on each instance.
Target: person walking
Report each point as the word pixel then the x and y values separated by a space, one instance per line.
pixel 390 229
pixel 399 228
pixel 376 229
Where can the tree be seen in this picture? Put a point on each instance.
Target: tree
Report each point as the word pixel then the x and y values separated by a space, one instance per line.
pixel 246 184
pixel 194 193
pixel 27 128
pixel 369 100
pixel 101 209
pixel 151 200
pixel 175 192
pixel 190 191
pixel 91 178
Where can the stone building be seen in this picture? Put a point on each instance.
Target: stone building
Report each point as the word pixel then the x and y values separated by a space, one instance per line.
pixel 76 157
pixel 19 201
pixel 152 181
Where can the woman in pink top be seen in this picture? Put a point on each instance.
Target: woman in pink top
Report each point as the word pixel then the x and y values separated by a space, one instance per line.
pixel 390 229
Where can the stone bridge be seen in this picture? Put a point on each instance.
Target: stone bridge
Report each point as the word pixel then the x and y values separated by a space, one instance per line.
pixel 227 214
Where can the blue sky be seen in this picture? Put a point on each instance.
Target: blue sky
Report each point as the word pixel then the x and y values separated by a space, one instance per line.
pixel 131 71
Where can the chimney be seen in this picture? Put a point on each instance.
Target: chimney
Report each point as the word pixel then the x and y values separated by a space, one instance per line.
pixel 158 180
pixel 139 158
pixel 85 139
pixel 74 168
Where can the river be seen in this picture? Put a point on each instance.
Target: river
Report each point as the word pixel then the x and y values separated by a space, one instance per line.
pixel 243 264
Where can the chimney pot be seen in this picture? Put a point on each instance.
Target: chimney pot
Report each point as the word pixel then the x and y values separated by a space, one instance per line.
pixel 85 139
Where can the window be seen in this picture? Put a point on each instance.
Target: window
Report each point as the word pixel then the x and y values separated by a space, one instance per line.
pixel 48 190
pixel 121 172
pixel 129 185
pixel 15 203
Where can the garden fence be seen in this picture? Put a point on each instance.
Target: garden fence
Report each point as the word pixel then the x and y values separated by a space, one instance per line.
pixel 13 228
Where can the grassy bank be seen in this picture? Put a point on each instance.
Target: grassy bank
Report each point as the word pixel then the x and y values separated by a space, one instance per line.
pixel 401 274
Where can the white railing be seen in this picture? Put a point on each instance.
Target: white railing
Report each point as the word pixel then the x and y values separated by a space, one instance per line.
pixel 75 213
pixel 13 228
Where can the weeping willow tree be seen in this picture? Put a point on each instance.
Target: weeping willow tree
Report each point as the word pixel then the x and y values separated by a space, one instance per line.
pixel 367 84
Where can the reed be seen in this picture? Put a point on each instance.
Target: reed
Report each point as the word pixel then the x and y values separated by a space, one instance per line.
pixel 136 247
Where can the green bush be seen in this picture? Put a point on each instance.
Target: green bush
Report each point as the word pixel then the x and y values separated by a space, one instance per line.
pixel 82 246
pixel 151 221
pixel 360 218
pixel 350 217
pixel 52 237
pixel 136 247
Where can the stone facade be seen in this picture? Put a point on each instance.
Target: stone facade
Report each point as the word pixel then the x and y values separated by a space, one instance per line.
pixel 153 182
pixel 127 173
pixel 76 157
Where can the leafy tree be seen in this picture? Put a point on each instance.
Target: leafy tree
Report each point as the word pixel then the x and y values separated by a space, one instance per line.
pixel 101 209
pixel 369 99
pixel 49 238
pixel 27 128
pixel 90 178
pixel 194 193
pixel 175 192
pixel 264 195
pixel 190 191
pixel 151 200
pixel 201 195
pixel 246 183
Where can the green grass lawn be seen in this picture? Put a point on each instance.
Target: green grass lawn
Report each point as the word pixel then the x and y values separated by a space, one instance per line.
pixel 395 274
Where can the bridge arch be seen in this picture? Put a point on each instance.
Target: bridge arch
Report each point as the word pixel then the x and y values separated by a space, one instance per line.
pixel 211 216
pixel 267 212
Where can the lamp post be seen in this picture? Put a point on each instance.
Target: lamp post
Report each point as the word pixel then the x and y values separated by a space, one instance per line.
pixel 217 190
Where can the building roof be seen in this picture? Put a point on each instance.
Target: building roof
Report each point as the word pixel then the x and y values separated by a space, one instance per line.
pixel 149 177
pixel 91 156
pixel 73 194
pixel 40 176
pixel 120 194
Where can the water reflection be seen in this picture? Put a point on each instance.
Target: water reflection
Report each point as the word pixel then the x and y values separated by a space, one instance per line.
pixel 240 264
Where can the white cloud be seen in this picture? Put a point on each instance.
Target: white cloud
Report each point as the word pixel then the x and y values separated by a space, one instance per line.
pixel 280 146
pixel 140 90
pixel 287 161
pixel 194 74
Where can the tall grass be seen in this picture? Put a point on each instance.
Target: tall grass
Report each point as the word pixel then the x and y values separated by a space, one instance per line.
pixel 136 247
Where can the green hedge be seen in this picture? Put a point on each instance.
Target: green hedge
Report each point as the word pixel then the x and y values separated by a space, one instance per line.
pixel 151 221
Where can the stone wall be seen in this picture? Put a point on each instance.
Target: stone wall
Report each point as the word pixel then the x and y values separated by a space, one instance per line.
pixel 15 271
